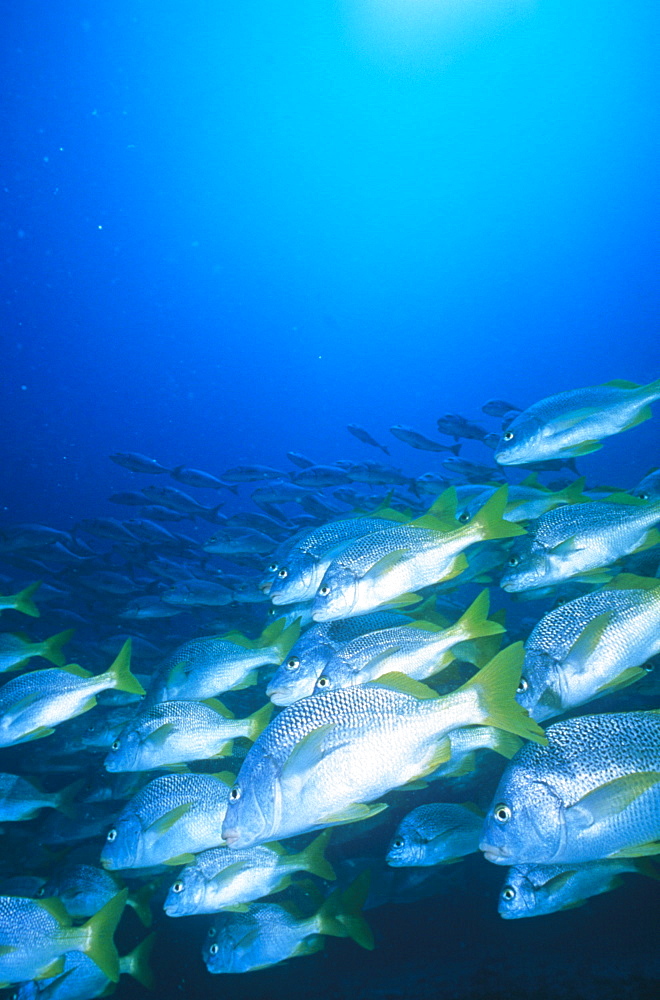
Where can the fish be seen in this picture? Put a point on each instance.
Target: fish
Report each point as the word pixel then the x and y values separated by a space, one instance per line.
pixel 458 427
pixel 269 933
pixel 17 650
pixel 174 732
pixel 389 565
pixel 323 759
pixel 319 476
pixel 221 878
pixel 303 564
pixel 85 889
pixel 473 471
pixel 81 978
pixel 22 601
pixel 573 540
pixel 376 474
pixel 251 474
pixel 168 821
pixel 418 649
pixel 281 491
pixel 592 793
pixel 363 435
pixel 499 408
pixel 435 834
pixel 536 890
pixel 198 593
pixel 571 424
pixel 526 502
pixel 20 799
pixel 168 496
pixel 229 541
pixel 206 667
pixel 296 677
pixel 202 480
pixel 419 441
pixel 138 463
pixel 648 488
pixel 36 933
pixel 300 460
pixel 32 705
pixel 591 646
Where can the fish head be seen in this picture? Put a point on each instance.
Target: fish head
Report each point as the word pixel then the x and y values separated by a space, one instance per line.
pixel 122 843
pixel 186 894
pixel 521 441
pixel 230 941
pixel 407 848
pixel 123 752
pixel 337 595
pixel 527 567
pixel 254 805
pixel 517 897
pixel 297 676
pixel 295 581
pixel 539 688
pixel 525 823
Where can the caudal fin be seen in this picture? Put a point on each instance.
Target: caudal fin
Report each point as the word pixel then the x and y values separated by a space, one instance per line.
pixel 496 685
pixel 53 647
pixel 120 672
pixel 136 963
pixel 341 914
pixel 259 720
pixel 489 519
pixel 23 601
pixel 313 859
pixel 97 936
pixel 474 622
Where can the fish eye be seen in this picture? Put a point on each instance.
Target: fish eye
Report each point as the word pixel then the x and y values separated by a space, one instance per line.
pixel 177 887
pixel 324 590
pixel 508 436
pixel 644 496
pixel 115 745
pixel 522 686
pixel 502 813
pixel 282 575
pixel 397 842
pixel 464 517
pixel 211 931
pixel 41 891
pixel 272 568
pixel 323 682
pixel 508 892
pixel 235 794
pixel 112 835
pixel 213 950
pixel 293 663
pixel 513 560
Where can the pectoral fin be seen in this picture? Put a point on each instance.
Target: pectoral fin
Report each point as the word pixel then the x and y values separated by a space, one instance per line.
pixel 611 798
pixel 587 641
pixel 159 736
pixel 308 752
pixel 168 819
pixel 354 813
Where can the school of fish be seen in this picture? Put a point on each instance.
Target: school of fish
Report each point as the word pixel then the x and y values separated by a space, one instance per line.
pixel 441 665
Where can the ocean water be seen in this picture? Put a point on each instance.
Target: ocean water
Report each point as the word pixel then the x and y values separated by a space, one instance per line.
pixel 229 230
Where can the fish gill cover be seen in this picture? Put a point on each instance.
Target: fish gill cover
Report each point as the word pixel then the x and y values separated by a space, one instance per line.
pixel 329 530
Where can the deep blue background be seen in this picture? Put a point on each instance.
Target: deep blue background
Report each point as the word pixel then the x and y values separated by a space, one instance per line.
pixel 230 229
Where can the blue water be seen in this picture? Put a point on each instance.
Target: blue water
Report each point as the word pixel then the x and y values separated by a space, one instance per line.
pixel 230 229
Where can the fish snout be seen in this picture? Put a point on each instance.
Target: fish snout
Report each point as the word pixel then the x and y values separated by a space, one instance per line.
pixel 497 855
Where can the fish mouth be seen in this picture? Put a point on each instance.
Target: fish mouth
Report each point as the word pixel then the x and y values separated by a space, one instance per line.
pixel 498 855
pixel 231 837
